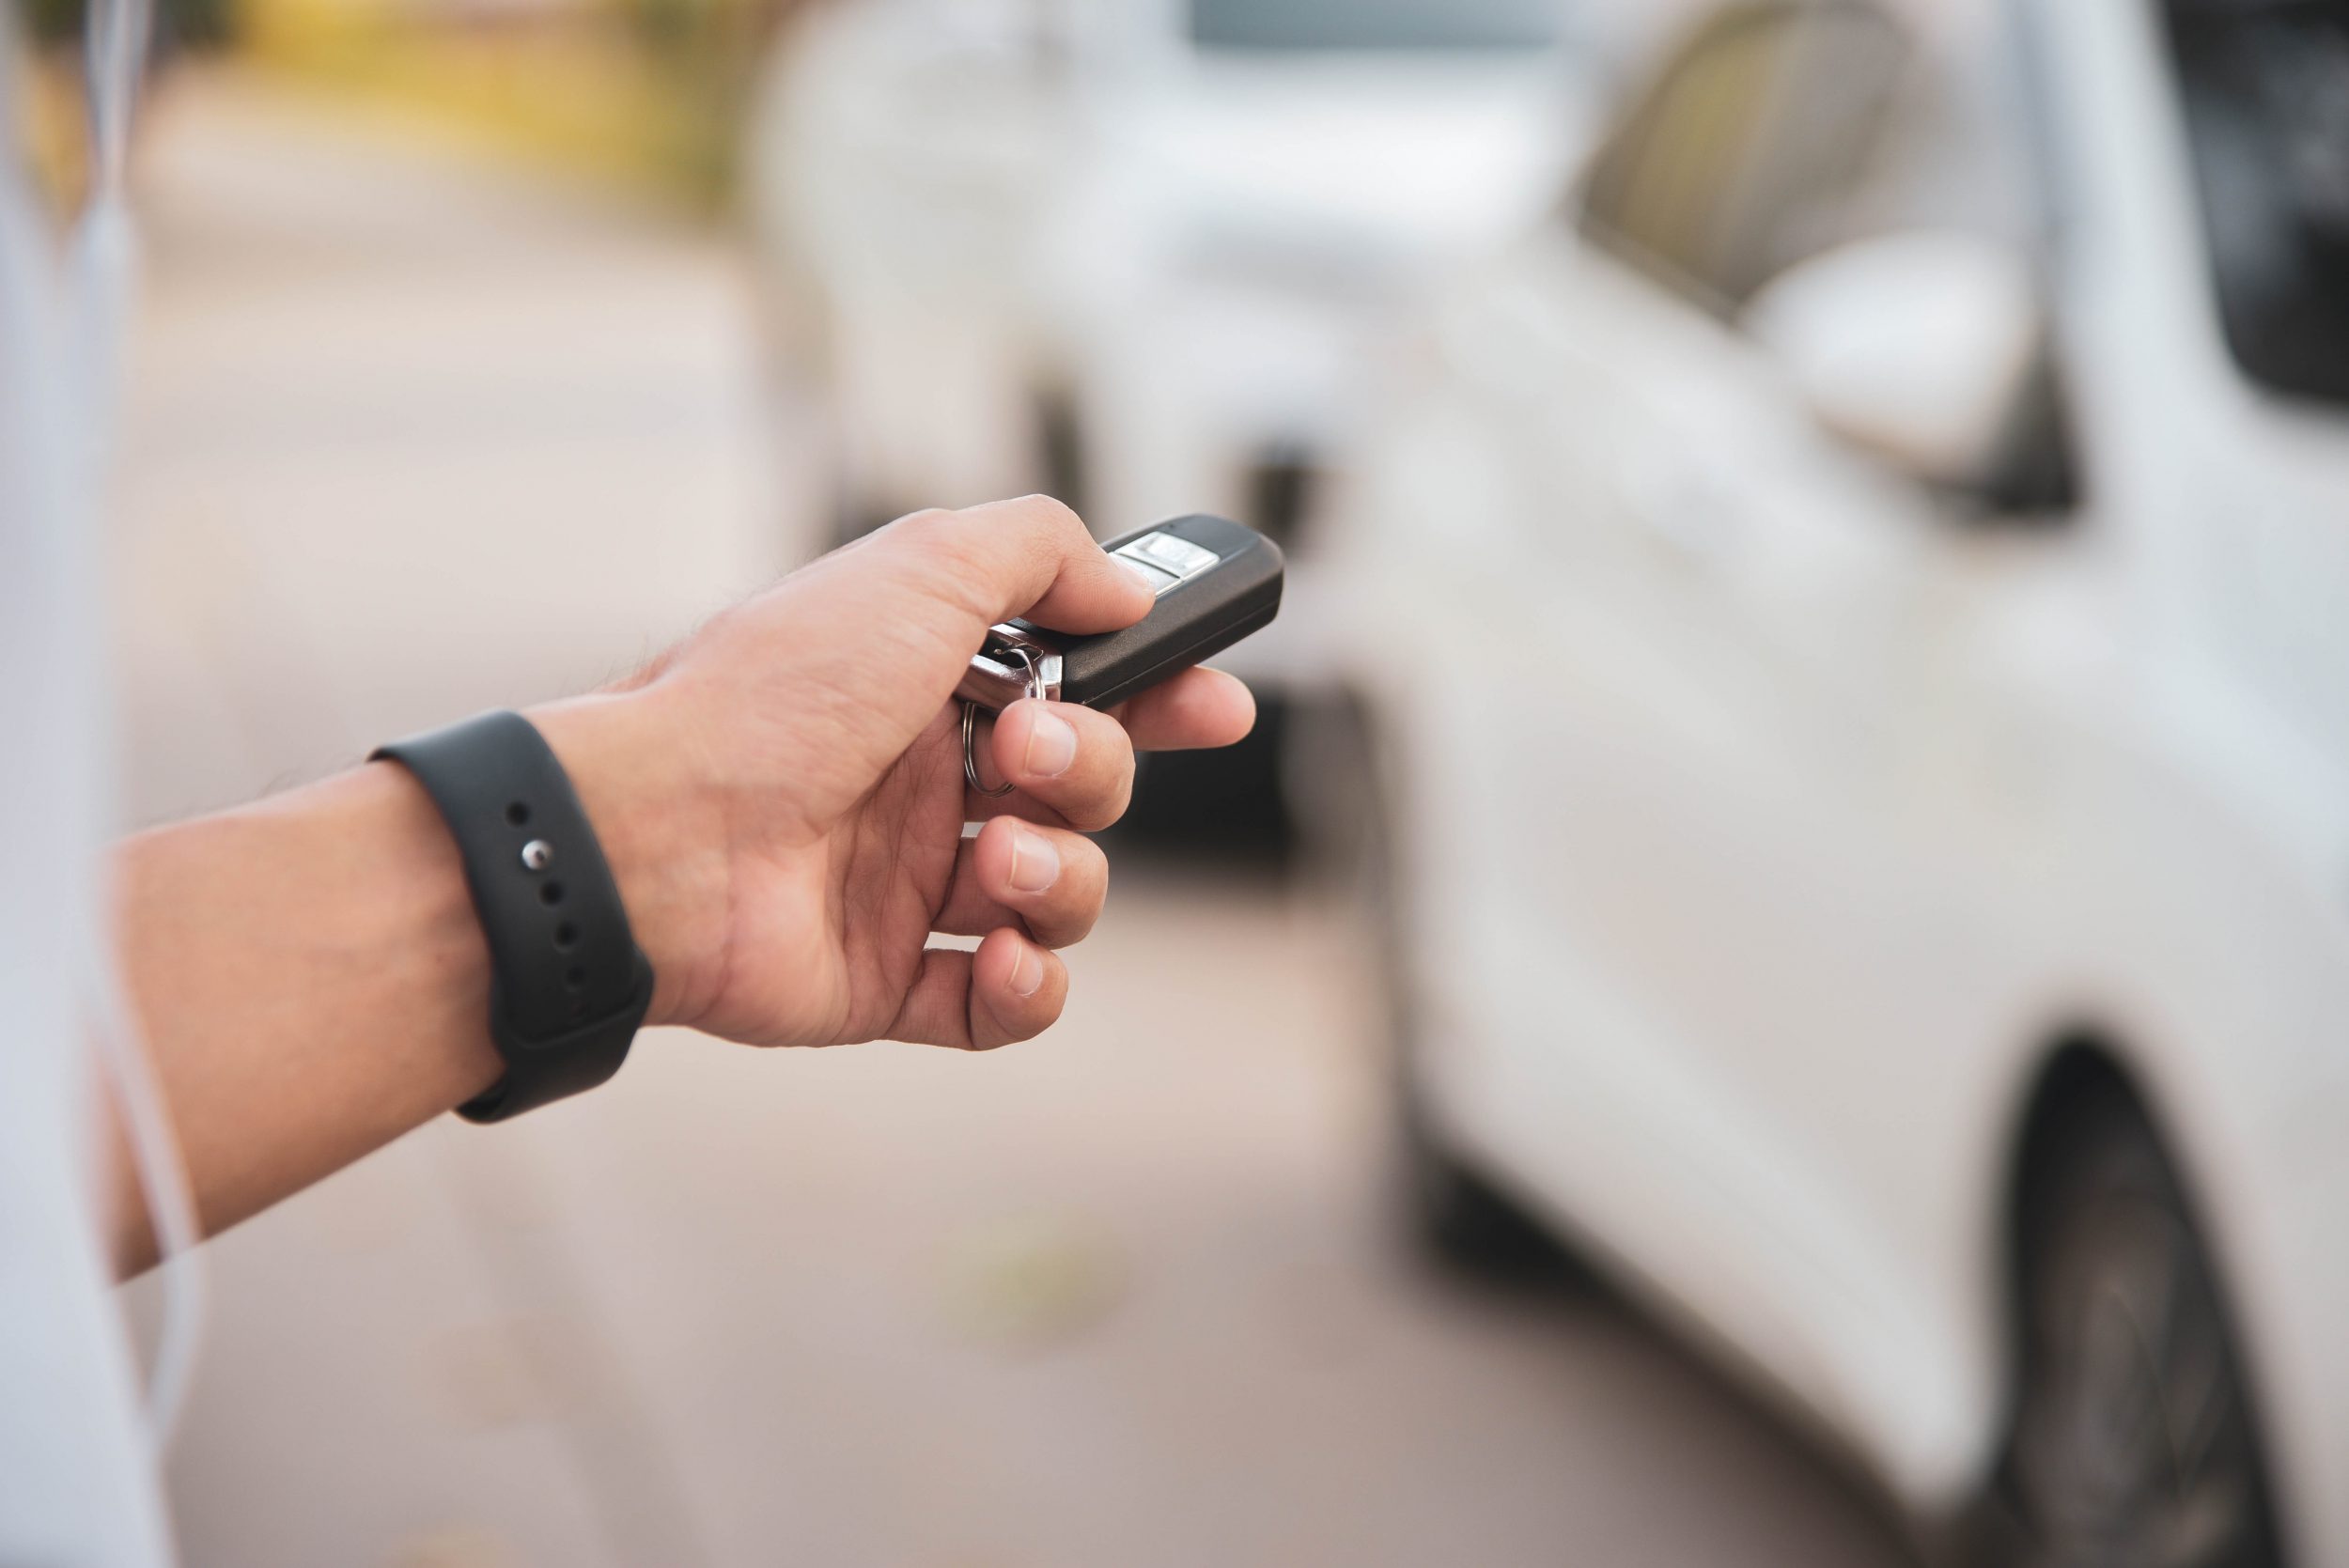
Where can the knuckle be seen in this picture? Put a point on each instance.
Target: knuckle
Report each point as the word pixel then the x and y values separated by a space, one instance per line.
pixel 927 524
pixel 960 564
pixel 938 534
pixel 932 539
pixel 1052 514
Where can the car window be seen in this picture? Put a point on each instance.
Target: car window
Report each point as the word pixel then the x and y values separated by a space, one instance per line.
pixel 2265 89
pixel 1739 158
pixel 1373 23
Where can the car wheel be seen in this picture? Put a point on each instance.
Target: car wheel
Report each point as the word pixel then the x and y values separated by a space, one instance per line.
pixel 2134 1444
pixel 1226 808
pixel 1456 1218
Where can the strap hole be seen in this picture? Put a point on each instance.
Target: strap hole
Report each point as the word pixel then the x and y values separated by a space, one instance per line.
pixel 518 812
pixel 551 894
pixel 566 936
pixel 575 978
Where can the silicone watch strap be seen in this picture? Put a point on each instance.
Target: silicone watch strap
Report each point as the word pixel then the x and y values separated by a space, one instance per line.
pixel 568 984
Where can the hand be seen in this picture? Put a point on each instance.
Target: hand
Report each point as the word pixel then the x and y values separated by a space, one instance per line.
pixel 782 795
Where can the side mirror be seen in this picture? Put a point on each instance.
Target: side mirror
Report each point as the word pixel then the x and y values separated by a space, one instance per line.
pixel 1917 347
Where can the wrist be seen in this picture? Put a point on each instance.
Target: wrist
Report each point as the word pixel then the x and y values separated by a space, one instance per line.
pixel 661 831
pixel 311 980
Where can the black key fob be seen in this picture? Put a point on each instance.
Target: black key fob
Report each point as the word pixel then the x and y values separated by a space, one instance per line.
pixel 1217 582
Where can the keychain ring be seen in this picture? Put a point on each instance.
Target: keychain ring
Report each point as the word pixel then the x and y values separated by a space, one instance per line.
pixel 969 758
pixel 971 728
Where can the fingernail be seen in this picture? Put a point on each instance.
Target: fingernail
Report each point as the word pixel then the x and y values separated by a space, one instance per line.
pixel 1035 864
pixel 1027 971
pixel 1052 745
pixel 1141 574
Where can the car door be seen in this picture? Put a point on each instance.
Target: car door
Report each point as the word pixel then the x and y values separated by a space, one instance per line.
pixel 1731 632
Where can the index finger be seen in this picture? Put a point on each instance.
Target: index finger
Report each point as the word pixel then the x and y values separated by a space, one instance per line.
pixel 1201 707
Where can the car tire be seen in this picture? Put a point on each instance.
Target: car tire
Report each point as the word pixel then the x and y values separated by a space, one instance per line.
pixel 1456 1219
pixel 1225 808
pixel 2134 1443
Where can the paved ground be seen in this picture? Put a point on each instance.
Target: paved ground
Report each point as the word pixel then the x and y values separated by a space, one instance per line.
pixel 415 437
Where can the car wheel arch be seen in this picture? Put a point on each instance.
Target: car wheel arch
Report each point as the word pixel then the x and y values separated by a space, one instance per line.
pixel 2084 1072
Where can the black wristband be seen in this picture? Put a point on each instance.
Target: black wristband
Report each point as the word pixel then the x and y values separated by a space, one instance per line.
pixel 568 984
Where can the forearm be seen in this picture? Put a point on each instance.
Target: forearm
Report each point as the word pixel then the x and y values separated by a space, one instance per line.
pixel 311 975
pixel 312 983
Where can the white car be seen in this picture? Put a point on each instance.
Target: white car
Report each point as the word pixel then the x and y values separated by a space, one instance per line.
pixel 1146 255
pixel 1149 256
pixel 1851 629
pixel 1268 202
pixel 902 159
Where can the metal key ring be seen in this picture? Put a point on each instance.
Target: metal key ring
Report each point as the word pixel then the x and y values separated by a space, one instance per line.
pixel 971 728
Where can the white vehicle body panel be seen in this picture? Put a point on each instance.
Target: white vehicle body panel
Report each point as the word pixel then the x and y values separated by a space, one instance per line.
pixel 1764 831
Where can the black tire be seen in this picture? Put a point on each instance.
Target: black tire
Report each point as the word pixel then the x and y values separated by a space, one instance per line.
pixel 1226 808
pixel 1455 1218
pixel 2134 1442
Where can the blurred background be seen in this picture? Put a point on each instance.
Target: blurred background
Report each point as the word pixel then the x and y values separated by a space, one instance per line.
pixel 1771 987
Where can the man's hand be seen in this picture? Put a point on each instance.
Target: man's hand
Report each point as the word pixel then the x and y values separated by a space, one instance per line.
pixel 781 796
pixel 782 801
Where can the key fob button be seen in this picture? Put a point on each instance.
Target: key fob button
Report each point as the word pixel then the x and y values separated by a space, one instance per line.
pixel 1159 578
pixel 1179 556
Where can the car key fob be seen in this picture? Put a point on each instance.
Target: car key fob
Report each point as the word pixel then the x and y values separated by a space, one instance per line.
pixel 1217 582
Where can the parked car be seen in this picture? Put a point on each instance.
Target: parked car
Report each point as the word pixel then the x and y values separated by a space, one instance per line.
pixel 902 157
pixel 1043 204
pixel 1147 256
pixel 1848 640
